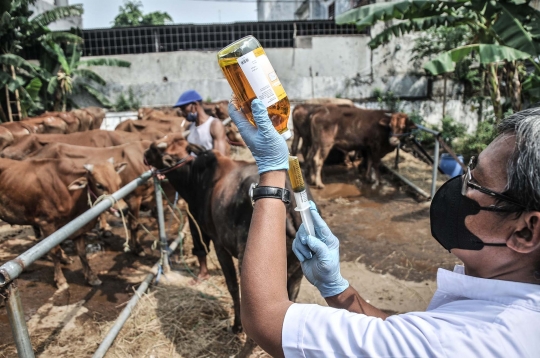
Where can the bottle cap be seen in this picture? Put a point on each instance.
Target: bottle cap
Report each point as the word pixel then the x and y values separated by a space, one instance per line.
pixel 287 134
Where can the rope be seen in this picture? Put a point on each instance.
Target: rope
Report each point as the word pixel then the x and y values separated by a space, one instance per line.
pixel 113 202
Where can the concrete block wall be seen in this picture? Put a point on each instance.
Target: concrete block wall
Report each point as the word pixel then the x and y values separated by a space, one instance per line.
pixel 319 66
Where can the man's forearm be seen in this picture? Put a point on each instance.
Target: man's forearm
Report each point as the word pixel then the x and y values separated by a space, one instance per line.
pixel 264 270
pixel 351 301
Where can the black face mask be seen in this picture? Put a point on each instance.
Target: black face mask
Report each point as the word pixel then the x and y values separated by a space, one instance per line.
pixel 447 214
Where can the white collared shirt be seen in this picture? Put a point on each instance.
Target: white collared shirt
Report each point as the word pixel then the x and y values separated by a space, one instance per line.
pixel 467 317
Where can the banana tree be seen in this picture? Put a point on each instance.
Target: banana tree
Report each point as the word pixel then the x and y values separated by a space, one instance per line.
pixel 21 34
pixel 503 32
pixel 73 76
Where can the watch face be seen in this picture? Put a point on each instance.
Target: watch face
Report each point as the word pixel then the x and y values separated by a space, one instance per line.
pixel 251 187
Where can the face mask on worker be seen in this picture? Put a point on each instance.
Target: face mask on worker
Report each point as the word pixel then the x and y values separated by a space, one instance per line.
pixel 192 117
pixel 448 211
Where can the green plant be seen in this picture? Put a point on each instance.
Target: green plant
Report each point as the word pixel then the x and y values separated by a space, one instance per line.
pixel 387 100
pixel 74 76
pixel 452 130
pixel 131 15
pixel 128 103
pixel 20 34
pixel 473 144
pixel 501 32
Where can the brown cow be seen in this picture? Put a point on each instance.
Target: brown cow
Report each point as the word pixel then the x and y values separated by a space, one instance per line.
pixel 95 138
pixel 143 126
pixel 216 189
pixel 98 114
pixel 130 153
pixel 374 133
pixel 148 113
pixel 48 193
pixel 301 117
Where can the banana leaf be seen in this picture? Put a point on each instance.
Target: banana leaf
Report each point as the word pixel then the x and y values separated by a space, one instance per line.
pixel 510 29
pixel 58 13
pixel 446 62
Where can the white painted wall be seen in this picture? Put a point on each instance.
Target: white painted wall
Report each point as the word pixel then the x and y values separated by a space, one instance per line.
pixel 320 66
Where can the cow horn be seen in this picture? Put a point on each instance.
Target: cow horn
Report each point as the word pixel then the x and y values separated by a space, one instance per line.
pixel 89 167
pixel 388 114
pixel 162 145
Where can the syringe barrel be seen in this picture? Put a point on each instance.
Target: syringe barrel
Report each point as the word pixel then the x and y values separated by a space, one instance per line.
pixel 302 206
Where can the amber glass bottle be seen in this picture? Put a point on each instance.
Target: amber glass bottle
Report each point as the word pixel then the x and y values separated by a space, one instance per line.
pixel 250 74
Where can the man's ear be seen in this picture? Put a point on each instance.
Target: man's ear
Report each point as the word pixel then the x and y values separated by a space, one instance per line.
pixel 77 184
pixel 526 238
pixel 194 148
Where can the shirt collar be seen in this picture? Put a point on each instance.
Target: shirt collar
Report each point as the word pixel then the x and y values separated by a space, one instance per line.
pixel 505 292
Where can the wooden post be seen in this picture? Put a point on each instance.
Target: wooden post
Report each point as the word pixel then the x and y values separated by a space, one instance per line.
pixel 17 98
pixel 444 97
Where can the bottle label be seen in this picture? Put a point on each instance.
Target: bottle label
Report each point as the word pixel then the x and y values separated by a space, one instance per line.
pixel 262 77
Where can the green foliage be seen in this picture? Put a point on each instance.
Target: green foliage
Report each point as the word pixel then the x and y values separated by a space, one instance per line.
pixel 73 77
pixel 387 100
pixel 506 31
pixel 131 15
pixel 452 130
pixel 473 144
pixel 129 103
pixel 486 54
pixel 21 33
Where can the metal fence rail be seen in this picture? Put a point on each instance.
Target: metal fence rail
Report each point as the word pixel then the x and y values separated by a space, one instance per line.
pixel 12 269
pixel 146 39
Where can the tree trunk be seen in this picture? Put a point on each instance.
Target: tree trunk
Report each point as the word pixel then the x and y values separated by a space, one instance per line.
pixel 514 85
pixel 495 91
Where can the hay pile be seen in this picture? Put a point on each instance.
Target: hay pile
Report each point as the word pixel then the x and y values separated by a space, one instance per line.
pixel 176 322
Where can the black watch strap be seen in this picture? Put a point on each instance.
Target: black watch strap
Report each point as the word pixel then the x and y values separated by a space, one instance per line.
pixel 260 192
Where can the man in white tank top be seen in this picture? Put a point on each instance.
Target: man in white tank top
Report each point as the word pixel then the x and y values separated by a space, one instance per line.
pixel 209 133
pixel 204 130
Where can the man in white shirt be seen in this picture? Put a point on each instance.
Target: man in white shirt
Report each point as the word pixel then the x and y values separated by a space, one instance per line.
pixel 209 133
pixel 489 218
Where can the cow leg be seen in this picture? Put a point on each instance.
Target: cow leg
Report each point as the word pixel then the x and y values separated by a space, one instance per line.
pixel 377 170
pixel 229 271
pixel 134 204
pixel 318 160
pixel 369 165
pixel 59 278
pixel 104 225
pixel 90 276
pixel 294 145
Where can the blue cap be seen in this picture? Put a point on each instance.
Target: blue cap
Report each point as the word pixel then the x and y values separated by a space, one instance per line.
pixel 187 98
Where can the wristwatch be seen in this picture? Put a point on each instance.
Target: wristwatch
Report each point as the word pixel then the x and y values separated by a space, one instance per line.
pixel 257 192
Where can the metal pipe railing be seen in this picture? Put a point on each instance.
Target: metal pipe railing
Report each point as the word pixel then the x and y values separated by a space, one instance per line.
pixel 126 312
pixel 161 225
pixel 12 269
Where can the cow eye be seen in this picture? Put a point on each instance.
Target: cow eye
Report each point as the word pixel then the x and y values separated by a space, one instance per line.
pixel 99 186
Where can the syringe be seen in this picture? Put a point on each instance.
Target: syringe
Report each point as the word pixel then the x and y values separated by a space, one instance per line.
pixel 300 194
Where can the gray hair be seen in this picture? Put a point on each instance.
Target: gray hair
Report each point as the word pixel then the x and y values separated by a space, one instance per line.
pixel 523 170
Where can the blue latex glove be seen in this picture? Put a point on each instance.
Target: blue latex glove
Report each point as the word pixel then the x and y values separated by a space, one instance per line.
pixel 267 146
pixel 319 256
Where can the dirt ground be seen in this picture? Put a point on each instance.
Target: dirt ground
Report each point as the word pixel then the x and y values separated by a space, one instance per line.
pixel 387 254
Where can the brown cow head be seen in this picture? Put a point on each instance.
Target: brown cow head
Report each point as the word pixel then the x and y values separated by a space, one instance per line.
pixel 6 138
pixel 102 179
pixel 222 109
pixel 169 150
pixel 399 124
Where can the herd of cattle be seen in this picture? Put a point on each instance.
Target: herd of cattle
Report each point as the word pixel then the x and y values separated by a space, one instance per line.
pixel 53 167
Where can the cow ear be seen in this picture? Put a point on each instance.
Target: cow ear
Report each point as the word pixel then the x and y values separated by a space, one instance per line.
pixel 89 167
pixel 194 148
pixel 120 167
pixel 385 121
pixel 77 184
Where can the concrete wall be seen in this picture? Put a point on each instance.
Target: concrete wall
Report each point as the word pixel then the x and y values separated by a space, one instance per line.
pixel 320 66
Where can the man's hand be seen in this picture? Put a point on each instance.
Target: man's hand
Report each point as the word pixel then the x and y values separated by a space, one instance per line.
pixel 319 257
pixel 267 146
